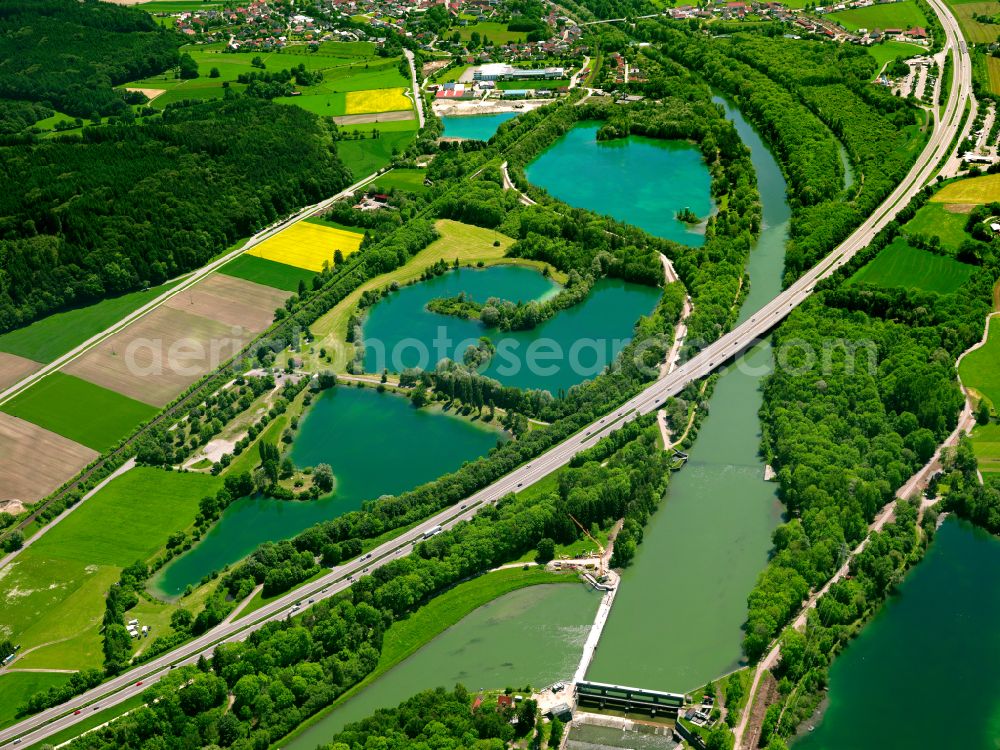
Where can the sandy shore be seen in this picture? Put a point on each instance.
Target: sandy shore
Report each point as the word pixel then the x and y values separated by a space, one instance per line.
pixel 487 107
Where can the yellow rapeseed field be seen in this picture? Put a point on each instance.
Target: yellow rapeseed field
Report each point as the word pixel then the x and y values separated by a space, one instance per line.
pixel 376 100
pixel 307 245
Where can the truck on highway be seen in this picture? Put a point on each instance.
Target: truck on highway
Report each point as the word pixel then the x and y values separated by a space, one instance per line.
pixel 431 532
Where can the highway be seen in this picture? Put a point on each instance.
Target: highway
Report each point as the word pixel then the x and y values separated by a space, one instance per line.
pixel 46 723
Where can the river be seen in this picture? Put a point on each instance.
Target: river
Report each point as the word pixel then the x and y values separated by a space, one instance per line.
pixel 399 331
pixel 352 429
pixel 934 644
pixel 530 636
pixel 684 597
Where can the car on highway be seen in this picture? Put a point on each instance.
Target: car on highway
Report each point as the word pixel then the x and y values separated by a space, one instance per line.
pixel 76 712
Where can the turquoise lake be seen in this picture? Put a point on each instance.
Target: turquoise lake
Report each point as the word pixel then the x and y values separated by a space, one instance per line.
pixel 477 127
pixel 575 345
pixel 926 671
pixel 642 181
pixel 353 430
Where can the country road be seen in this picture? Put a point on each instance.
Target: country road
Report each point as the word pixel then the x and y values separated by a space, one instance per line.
pixel 37 728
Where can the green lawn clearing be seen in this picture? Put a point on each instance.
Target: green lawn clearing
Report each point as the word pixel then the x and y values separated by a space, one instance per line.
pixel 53 608
pixel 410 180
pixel 980 370
pixel 899 15
pixel 899 265
pixel 79 410
pixel 267 272
pixel 51 337
pixel 890 50
pixel 17 687
pixel 935 220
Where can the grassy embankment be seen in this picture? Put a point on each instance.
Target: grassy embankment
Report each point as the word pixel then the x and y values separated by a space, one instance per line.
pixel 467 243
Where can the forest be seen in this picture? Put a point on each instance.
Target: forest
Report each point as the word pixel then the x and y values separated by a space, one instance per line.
pixel 126 207
pixel 69 55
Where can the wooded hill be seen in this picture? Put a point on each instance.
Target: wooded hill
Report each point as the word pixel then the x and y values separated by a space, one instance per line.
pixel 130 206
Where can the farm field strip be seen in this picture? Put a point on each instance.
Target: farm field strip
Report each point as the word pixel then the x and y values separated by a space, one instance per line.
pixel 79 410
pixel 266 272
pixel 372 101
pixel 35 461
pixel 13 368
pixel 307 245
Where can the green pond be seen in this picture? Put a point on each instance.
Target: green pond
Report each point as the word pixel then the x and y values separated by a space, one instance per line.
pixel 575 345
pixel 476 127
pixel 354 430
pixel 530 636
pixel 926 671
pixel 684 597
pixel 642 181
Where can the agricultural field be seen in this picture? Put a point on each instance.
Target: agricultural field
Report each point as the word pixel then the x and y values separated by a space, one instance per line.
pixel 467 243
pixel 887 51
pixel 411 180
pixel 14 368
pixel 985 189
pixel 993 73
pixel 78 410
pixel 899 15
pixel 267 272
pixel 900 265
pixel 494 31
pixel 980 369
pixel 940 220
pixel 34 461
pixel 155 358
pixel 52 336
pixel 376 100
pixel 345 66
pixel 53 593
pixel 973 30
pixel 307 245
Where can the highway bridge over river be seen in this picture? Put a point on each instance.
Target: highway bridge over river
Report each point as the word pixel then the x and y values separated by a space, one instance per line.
pixel 43 725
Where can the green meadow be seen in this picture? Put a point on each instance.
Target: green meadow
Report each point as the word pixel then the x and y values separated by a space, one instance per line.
pixel 497 32
pixel 933 219
pixel 980 370
pixel 890 50
pixel 411 180
pixel 16 686
pixel 52 336
pixel 900 15
pixel 986 444
pixel 79 410
pixel 900 265
pixel 267 272
pixel 367 155
pixel 52 595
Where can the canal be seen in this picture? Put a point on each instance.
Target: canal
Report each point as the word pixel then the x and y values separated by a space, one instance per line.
pixel 353 430
pixel 926 671
pixel 684 597
pixel 530 636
